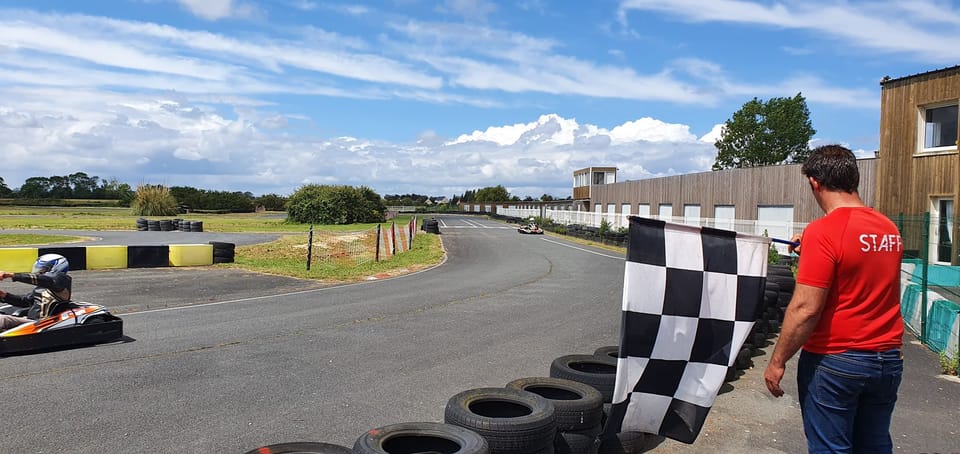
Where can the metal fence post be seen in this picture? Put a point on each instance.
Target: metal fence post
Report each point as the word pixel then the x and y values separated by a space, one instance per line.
pixel 925 254
pixel 377 253
pixel 309 246
pixel 393 237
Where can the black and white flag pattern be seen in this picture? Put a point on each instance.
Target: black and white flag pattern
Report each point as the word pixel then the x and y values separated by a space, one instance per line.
pixel 690 297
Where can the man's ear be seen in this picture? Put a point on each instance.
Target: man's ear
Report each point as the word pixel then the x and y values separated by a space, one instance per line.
pixel 814 184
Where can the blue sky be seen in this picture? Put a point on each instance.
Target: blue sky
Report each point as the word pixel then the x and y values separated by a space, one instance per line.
pixel 433 97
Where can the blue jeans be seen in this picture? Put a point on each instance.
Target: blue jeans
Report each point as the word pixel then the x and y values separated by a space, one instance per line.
pixel 847 400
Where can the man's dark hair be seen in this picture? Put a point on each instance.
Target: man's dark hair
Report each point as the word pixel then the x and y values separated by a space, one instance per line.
pixel 834 167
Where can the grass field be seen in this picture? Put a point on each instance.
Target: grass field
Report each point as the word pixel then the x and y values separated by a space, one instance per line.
pixel 286 256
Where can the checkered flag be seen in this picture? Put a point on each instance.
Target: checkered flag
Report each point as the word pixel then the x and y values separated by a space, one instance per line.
pixel 690 297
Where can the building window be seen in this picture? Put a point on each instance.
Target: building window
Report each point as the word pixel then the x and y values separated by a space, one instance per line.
pixel 939 128
pixel 600 178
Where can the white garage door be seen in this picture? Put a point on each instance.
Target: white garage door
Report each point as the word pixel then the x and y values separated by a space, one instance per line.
pixel 724 216
pixel 778 222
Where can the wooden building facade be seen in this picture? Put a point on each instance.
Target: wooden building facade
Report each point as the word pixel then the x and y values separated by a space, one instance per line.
pixel 919 165
pixel 739 193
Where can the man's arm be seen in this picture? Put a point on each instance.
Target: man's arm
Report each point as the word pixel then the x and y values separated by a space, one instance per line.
pixel 55 282
pixel 11 299
pixel 799 321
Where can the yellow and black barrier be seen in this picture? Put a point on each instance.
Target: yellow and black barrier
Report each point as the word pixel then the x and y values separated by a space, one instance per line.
pixel 20 260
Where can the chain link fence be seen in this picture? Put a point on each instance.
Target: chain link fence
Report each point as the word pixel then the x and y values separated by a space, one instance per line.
pixel 358 247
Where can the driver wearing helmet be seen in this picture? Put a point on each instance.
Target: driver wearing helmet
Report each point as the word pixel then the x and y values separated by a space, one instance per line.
pixel 53 286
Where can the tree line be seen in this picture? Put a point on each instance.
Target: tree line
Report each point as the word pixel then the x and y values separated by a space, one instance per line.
pixel 81 186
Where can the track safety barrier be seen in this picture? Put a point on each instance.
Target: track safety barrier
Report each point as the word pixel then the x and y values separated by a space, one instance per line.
pixel 21 259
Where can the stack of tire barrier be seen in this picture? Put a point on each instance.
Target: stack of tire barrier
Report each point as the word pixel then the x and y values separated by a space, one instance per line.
pixel 223 252
pixel 191 226
pixel 599 371
pixel 166 225
pixel 430 226
pixel 535 415
pixel 403 438
pixel 512 421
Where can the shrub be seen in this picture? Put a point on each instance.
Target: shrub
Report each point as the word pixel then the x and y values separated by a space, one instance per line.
pixel 948 364
pixel 324 204
pixel 153 200
pixel 604 227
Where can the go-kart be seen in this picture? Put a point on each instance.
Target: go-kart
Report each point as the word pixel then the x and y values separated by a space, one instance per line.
pixel 530 229
pixel 71 323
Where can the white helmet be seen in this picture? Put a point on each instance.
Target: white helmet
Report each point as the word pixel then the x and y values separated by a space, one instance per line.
pixel 51 263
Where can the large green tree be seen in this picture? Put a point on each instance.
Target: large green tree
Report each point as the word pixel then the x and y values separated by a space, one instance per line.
pixel 766 133
pixel 496 193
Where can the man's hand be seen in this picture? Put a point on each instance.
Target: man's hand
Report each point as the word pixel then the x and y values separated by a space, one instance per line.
pixel 772 376
pixel 3 294
pixel 5 275
pixel 796 239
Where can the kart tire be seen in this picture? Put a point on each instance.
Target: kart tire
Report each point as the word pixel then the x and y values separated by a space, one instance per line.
pixel 512 421
pixel 577 406
pixel 223 259
pixel 416 437
pixel 596 371
pixel 301 448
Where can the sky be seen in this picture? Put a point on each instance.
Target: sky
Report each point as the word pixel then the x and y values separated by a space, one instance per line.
pixel 433 97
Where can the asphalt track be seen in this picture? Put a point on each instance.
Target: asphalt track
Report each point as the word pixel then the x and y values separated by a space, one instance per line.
pixel 225 361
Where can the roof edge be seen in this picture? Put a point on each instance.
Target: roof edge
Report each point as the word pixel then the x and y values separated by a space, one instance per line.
pixel 887 80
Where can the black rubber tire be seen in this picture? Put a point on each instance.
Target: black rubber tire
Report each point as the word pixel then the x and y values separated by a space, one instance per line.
pixel 743 360
pixel 224 254
pixel 577 406
pixel 421 437
pixel 732 374
pixel 576 443
pixel 301 448
pixel 770 297
pixel 623 443
pixel 786 284
pixel 153 226
pixel 596 371
pixel 779 270
pixel 196 226
pixel 612 351
pixel 511 421
pixel 223 259
pixel 222 245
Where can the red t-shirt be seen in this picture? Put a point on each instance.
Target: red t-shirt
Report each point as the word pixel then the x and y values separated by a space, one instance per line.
pixel 854 252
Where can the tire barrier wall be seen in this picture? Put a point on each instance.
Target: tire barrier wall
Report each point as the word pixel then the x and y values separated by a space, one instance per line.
pixel 166 225
pixel 20 260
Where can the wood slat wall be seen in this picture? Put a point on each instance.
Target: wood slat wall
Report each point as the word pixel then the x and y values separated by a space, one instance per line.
pixel 907 181
pixel 745 189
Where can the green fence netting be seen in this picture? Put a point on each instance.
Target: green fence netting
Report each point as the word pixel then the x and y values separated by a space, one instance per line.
pixel 930 285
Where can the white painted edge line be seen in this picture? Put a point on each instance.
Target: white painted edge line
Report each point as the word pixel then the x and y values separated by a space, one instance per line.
pixel 299 292
pixel 584 250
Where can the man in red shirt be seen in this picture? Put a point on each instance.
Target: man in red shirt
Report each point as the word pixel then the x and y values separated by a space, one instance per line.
pixel 845 314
